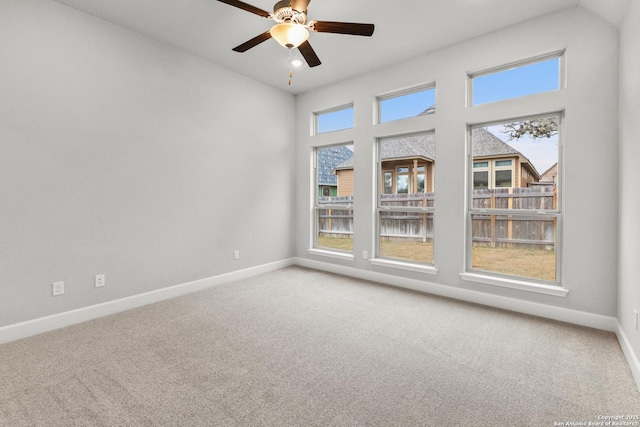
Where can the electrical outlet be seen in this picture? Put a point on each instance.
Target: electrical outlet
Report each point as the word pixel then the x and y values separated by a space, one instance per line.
pixel 236 254
pixel 365 254
pixel 57 288
pixel 99 280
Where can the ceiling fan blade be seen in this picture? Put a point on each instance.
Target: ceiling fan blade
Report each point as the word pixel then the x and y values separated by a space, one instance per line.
pixel 343 28
pixel 309 54
pixel 253 42
pixel 300 5
pixel 247 7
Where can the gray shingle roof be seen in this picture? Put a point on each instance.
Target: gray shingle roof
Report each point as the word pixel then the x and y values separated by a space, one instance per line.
pixel 328 159
pixel 409 146
pixel 417 146
pixel 485 144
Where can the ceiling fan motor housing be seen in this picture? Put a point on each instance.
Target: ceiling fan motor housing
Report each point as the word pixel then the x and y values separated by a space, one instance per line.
pixel 282 12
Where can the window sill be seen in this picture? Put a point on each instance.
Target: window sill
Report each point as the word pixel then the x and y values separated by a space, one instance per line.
pixel 332 254
pixel 521 285
pixel 408 266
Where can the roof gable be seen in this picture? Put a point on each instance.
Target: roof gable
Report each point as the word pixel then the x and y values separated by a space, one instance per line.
pixel 486 144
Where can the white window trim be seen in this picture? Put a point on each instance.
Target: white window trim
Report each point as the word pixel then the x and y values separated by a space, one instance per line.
pixel 491 278
pixel 505 67
pixel 316 114
pixel 346 256
pixel 522 285
pixel 398 94
pixel 403 265
pixel 390 262
pixel 315 208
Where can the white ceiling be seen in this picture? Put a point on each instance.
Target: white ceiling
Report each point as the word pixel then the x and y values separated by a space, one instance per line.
pixel 210 29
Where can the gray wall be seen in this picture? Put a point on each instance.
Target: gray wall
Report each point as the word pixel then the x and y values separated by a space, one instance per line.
pixel 590 154
pixel 122 156
pixel 629 287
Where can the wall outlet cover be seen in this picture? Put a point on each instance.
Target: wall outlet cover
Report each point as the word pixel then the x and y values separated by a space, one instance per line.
pixel 57 288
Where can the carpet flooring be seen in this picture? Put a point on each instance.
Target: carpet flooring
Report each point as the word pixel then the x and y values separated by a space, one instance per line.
pixel 298 347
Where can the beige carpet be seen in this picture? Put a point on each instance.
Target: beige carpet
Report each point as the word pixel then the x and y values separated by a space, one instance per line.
pixel 298 347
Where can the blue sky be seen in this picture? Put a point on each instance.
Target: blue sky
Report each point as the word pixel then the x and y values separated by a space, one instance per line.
pixel 526 80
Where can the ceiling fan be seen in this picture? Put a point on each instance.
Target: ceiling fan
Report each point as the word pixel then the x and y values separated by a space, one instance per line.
pixel 291 29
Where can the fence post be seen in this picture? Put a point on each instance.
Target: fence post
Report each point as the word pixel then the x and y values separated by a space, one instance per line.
pixel 424 218
pixel 493 219
pixel 510 223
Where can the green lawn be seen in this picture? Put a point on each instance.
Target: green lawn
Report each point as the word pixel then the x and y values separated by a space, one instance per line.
pixel 530 263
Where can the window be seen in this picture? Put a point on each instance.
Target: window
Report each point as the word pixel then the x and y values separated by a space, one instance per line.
pixel 334 120
pixel 387 182
pixel 418 102
pixel 514 212
pixel 402 180
pixel 516 80
pixel 405 212
pixel 480 175
pixel 333 207
pixel 503 178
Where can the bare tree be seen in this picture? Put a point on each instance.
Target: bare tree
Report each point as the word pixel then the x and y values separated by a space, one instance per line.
pixel 545 127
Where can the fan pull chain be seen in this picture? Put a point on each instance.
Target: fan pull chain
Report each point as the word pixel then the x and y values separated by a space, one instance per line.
pixel 290 71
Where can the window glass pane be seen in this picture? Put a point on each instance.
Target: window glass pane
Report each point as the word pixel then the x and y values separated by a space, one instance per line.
pixel 334 204
pixel 407 236
pixel 405 227
pixel 503 178
pixel 533 178
pixel 334 120
pixel 515 245
pixel 335 229
pixel 402 186
pixel 481 180
pixel 388 183
pixel 538 77
pixel 421 181
pixel 408 105
pixel 521 177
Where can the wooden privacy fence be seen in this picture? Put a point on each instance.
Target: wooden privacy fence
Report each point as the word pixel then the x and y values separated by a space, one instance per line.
pixel 507 230
pixel 334 222
pixel 487 229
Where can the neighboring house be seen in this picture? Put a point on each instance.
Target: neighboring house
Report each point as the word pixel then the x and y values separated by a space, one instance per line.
pixel 328 159
pixel 408 165
pixel 550 175
pixel 495 161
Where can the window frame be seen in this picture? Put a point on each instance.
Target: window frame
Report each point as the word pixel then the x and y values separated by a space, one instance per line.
pixel 560 55
pixel 315 125
pixel 507 280
pixel 399 94
pixel 316 208
pixel 378 259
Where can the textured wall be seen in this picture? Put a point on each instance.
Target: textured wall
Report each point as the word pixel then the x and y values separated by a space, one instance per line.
pixel 125 157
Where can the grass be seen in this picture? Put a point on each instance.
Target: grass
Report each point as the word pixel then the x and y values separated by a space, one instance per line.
pixel 409 251
pixel 530 263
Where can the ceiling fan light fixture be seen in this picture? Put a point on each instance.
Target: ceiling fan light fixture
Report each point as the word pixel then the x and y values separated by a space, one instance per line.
pixel 289 35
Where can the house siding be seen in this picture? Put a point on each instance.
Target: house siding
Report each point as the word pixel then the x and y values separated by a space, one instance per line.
pixel 345 183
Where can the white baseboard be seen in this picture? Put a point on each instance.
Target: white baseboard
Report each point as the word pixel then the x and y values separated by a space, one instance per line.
pixel 575 317
pixel 56 321
pixel 629 354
